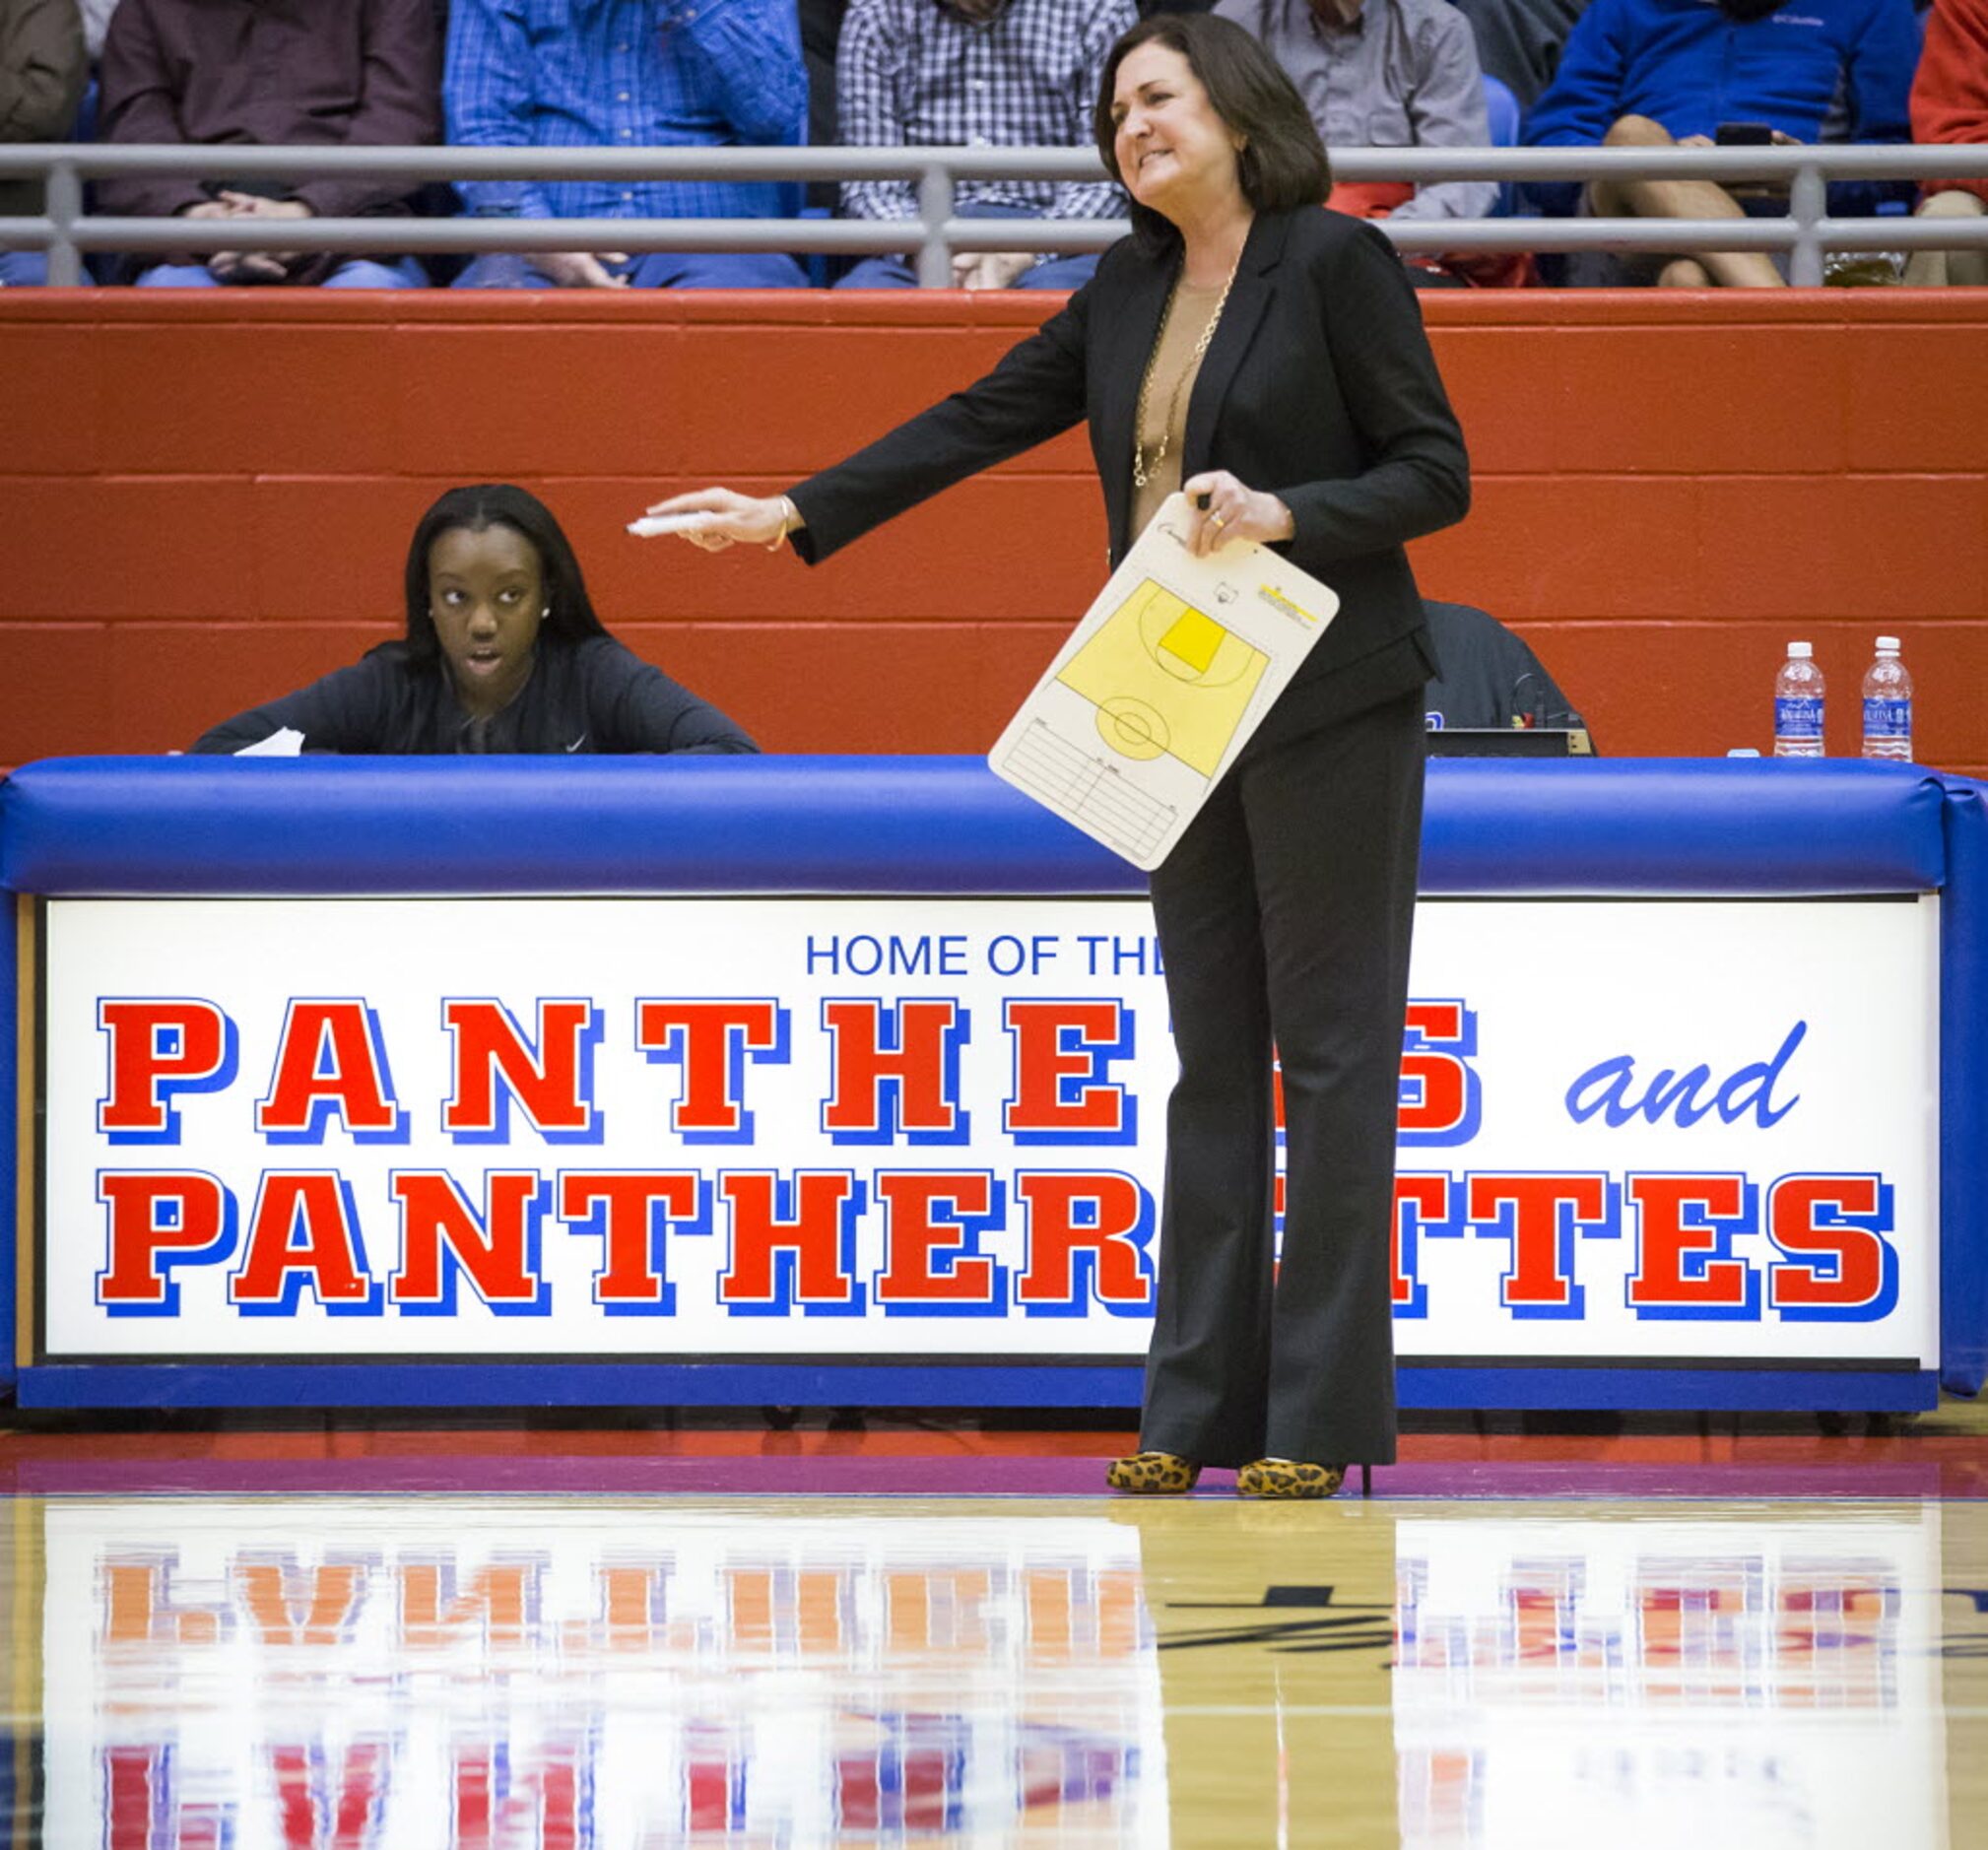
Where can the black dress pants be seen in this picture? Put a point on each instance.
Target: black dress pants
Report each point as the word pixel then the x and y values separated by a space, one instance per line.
pixel 1285 915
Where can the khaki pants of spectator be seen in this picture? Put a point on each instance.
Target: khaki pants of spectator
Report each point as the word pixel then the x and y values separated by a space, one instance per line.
pixel 1937 269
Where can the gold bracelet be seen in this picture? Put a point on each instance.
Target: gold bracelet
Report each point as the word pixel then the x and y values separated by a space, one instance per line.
pixel 790 519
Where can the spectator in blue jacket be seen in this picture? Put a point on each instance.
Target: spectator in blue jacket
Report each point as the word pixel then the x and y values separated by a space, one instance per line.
pixel 1667 73
pixel 627 74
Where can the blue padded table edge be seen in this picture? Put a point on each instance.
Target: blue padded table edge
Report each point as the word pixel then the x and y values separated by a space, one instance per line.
pixel 386 1384
pixel 10 1106
pixel 384 825
pixel 132 825
pixel 1963 1091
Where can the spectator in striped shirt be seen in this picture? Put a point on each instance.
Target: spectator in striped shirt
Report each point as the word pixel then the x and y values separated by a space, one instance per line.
pixel 627 74
pixel 977 74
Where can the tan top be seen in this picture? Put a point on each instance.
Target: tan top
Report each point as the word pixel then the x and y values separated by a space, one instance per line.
pixel 1175 369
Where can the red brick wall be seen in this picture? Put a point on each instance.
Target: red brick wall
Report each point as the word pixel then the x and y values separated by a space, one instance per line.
pixel 205 499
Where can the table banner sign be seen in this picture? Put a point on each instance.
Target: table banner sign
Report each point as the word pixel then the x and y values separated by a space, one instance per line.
pixel 874 1128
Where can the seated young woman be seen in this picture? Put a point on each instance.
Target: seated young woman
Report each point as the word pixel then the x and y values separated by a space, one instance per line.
pixel 502 653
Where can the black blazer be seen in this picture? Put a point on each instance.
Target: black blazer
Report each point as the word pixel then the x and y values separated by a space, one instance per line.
pixel 1319 386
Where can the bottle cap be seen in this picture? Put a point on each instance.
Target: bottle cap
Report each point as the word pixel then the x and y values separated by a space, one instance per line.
pixel 1887 645
pixel 1800 651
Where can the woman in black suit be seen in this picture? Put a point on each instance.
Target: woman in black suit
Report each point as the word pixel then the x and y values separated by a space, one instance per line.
pixel 1267 357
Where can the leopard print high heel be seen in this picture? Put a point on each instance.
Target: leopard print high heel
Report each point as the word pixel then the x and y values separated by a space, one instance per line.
pixel 1152 1474
pixel 1287 1478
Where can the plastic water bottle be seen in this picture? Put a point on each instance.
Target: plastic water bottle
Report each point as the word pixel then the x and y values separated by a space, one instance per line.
pixel 1798 705
pixel 1887 705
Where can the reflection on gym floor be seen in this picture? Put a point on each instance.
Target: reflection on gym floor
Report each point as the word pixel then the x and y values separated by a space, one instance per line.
pixel 498 1674
pixel 487 1672
pixel 1673 1679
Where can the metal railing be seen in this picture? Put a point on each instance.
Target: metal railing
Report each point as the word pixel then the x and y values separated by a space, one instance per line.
pixel 66 229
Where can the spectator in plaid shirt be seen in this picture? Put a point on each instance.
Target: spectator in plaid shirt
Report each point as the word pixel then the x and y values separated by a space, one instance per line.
pixel 627 74
pixel 982 74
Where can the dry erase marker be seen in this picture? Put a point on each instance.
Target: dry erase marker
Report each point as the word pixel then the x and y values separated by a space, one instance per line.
pixel 654 526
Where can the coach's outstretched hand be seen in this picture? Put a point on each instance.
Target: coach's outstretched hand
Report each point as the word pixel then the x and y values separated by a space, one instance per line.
pixel 736 517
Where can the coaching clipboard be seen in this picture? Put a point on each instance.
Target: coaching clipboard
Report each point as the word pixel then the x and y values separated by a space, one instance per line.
pixel 1159 687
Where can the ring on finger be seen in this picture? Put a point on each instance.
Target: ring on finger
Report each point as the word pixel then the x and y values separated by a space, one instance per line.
pixel 1220 520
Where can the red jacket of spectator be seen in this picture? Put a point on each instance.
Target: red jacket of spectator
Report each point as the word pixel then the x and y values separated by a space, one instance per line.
pixel 1950 94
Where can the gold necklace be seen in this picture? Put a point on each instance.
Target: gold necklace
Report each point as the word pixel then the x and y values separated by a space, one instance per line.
pixel 1142 472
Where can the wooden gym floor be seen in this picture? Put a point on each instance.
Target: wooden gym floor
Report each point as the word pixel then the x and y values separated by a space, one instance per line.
pixel 352 1634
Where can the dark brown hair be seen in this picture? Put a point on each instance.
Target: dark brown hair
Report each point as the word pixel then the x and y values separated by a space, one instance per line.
pixel 1281 162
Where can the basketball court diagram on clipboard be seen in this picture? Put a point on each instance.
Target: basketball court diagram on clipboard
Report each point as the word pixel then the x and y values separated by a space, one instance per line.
pixel 1161 685
pixel 1166 677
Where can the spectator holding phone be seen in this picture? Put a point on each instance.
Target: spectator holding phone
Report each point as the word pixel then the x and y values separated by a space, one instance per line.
pixel 1669 73
pixel 1950 103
